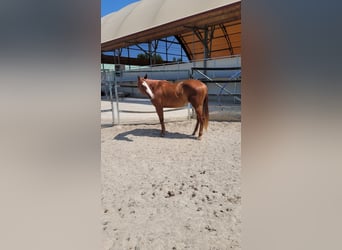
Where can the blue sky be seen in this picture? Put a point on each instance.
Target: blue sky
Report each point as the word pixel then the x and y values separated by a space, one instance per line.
pixel 108 6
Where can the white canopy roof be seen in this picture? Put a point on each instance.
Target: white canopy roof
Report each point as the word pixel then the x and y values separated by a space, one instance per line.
pixel 146 14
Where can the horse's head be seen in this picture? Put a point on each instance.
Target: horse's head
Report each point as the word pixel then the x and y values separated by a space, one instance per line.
pixel 144 87
pixel 140 81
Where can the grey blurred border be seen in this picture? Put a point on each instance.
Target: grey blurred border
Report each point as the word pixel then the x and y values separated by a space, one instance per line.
pixel 50 180
pixel 291 120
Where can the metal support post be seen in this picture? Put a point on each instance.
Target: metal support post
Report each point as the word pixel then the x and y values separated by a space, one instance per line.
pixel 117 98
pixel 111 100
pixel 189 111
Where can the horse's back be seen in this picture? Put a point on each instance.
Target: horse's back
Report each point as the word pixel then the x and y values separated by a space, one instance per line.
pixel 193 82
pixel 195 87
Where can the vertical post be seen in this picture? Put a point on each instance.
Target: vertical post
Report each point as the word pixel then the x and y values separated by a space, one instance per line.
pixel 150 52
pixel 114 58
pixel 193 48
pixel 128 54
pixel 235 90
pixel 119 55
pixel 189 111
pixel 111 99
pixel 117 98
pixel 205 43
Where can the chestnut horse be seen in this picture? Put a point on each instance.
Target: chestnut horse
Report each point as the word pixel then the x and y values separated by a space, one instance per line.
pixel 164 94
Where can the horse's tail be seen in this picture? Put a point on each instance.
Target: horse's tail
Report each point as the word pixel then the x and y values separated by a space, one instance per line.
pixel 205 111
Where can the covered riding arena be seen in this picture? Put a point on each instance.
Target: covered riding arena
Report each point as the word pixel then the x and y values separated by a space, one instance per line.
pixel 172 192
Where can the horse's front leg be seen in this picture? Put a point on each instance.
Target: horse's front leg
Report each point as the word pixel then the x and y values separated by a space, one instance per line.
pixel 160 113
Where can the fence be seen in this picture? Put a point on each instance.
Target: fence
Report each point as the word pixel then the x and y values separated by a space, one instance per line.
pixel 222 73
pixel 229 75
pixel 111 81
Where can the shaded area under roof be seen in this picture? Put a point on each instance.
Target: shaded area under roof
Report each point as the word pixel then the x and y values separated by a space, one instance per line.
pixel 211 28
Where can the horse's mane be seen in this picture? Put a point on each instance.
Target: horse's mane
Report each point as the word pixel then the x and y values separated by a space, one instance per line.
pixel 156 81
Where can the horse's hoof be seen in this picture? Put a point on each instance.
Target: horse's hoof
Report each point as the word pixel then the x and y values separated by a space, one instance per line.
pixel 162 134
pixel 199 138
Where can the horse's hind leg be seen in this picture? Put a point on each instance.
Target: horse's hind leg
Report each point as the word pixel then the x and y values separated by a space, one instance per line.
pixel 199 122
pixel 194 105
pixel 196 127
pixel 161 119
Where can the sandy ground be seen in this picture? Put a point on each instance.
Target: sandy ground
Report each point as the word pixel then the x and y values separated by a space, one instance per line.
pixel 174 192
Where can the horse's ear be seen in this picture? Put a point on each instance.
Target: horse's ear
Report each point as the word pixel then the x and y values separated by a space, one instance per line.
pixel 138 78
pixel 145 77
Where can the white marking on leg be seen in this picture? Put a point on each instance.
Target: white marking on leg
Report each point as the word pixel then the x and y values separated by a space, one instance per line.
pixel 148 90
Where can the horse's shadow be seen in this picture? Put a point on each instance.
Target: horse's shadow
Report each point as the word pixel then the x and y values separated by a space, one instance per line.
pixel 150 133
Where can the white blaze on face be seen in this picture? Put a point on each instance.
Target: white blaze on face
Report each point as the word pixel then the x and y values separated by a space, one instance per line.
pixel 148 90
